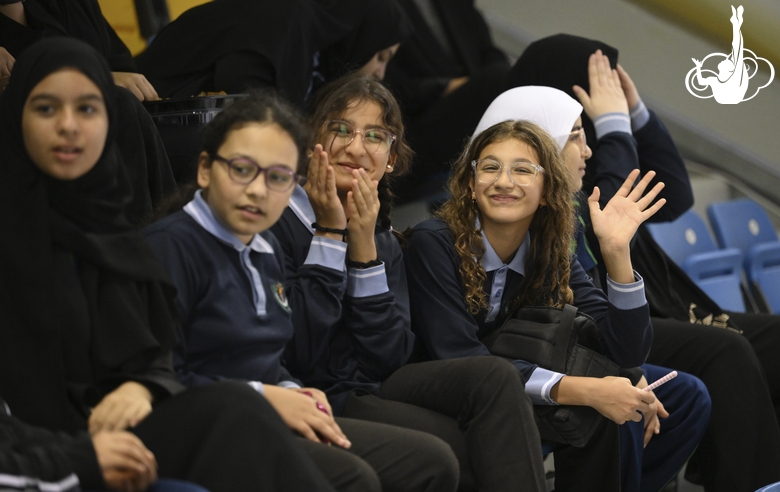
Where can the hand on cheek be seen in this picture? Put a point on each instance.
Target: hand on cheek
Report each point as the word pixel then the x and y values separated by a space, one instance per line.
pixel 321 189
pixel 363 205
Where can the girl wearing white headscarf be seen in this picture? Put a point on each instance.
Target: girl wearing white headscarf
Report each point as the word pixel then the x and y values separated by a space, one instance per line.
pixel 503 241
pixel 649 463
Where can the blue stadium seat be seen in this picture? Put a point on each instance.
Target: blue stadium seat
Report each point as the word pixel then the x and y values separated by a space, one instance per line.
pixel 718 272
pixel 743 224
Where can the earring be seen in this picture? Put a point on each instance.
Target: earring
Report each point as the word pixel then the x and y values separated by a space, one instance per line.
pixel 473 197
pixel 389 168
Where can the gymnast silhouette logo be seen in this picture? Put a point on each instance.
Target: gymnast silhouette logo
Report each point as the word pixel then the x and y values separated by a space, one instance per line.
pixel 730 84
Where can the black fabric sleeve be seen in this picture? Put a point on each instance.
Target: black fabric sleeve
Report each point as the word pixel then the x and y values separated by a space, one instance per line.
pixel 626 333
pixel 315 294
pixel 657 152
pixel 33 458
pixel 614 157
pixel 380 325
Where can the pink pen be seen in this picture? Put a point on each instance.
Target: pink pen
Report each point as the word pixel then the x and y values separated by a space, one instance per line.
pixel 660 381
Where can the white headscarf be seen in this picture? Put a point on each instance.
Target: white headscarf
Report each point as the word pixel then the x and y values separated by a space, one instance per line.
pixel 552 109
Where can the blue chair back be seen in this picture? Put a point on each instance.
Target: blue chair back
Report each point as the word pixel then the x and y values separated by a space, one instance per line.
pixel 740 224
pixel 743 224
pixel 717 272
pixel 686 236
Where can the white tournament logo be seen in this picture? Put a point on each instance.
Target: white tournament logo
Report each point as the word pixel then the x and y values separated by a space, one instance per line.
pixel 729 84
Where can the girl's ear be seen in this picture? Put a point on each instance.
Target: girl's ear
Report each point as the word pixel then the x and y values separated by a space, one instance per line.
pixel 391 163
pixel 204 170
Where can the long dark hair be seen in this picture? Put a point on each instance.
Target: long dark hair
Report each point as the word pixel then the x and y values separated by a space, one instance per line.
pixel 335 98
pixel 547 264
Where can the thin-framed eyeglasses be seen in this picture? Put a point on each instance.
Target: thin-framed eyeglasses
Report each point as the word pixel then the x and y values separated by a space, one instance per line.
pixel 520 173
pixel 578 136
pixel 375 140
pixel 244 170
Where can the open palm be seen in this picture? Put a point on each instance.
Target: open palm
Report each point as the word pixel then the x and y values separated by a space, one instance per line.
pixel 617 223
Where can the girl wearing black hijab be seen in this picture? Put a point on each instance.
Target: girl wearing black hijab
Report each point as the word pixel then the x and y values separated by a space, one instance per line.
pixel 739 365
pixel 87 312
pixel 141 148
pixel 294 46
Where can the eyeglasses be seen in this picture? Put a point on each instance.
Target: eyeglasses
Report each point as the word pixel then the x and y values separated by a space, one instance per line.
pixel 244 170
pixel 520 173
pixel 375 140
pixel 578 136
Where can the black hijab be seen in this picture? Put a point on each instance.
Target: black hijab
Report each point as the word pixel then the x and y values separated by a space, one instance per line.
pixel 287 34
pixel 128 300
pixel 382 24
pixel 560 61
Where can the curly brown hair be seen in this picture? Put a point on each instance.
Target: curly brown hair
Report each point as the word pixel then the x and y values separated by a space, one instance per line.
pixel 547 264
pixel 335 98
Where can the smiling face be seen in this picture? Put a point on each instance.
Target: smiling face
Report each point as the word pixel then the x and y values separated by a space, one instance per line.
pixel 377 65
pixel 362 116
pixel 575 153
pixel 503 203
pixel 65 124
pixel 248 209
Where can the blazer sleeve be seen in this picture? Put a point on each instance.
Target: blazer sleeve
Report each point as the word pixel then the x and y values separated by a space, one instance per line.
pixel 379 323
pixel 315 293
pixel 33 458
pixel 626 333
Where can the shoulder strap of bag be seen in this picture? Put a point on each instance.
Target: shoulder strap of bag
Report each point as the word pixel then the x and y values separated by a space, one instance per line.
pixel 563 340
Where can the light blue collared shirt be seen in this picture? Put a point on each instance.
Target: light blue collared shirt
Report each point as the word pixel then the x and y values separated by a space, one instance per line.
pixel 333 254
pixel 199 210
pixel 622 296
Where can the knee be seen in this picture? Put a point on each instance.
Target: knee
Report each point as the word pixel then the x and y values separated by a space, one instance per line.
pixel 494 377
pixel 436 466
pixel 491 370
pixel 701 404
pixel 358 477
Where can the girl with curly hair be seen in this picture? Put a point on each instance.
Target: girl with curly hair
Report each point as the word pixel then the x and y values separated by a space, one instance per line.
pixel 503 241
pixel 350 305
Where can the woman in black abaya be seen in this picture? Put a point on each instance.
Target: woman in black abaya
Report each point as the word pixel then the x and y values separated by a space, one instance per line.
pixel 87 312
pixel 294 46
pixel 141 149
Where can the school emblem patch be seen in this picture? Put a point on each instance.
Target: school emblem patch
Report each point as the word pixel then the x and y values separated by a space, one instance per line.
pixel 278 290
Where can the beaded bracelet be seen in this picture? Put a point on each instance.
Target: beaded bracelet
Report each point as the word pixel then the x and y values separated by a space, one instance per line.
pixel 361 265
pixel 342 232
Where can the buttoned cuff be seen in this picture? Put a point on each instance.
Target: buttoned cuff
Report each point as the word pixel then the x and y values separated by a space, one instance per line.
pixel 328 253
pixel 627 296
pixel 289 384
pixel 366 282
pixel 612 122
pixel 257 386
pixel 540 384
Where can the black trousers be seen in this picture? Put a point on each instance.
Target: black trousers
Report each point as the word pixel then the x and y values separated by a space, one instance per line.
pixel 478 406
pixel 385 458
pixel 226 437
pixel 741 448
